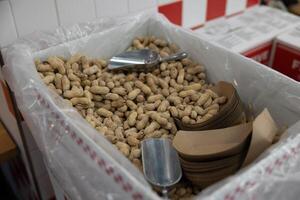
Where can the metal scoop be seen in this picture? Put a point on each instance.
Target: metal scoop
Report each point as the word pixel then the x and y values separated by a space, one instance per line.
pixel 140 60
pixel 161 163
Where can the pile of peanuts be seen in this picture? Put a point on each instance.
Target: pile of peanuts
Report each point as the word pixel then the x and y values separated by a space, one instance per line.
pixel 128 107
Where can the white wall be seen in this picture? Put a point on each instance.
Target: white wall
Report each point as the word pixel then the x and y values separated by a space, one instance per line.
pixel 21 17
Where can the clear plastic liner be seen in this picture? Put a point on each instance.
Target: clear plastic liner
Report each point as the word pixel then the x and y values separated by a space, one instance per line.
pixel 87 166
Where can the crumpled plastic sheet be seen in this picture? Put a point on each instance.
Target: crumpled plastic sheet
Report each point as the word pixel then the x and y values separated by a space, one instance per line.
pixel 87 166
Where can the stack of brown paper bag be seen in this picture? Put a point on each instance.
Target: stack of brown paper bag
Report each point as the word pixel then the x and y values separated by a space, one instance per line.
pixel 215 149
pixel 231 113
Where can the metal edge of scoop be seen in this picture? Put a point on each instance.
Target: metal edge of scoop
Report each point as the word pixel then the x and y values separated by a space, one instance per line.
pixel 140 60
pixel 161 164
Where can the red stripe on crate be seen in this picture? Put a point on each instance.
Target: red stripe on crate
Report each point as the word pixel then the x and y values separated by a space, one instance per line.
pixel 73 135
pixel 238 190
pixel 294 151
pixel 101 163
pixel 229 197
pixel 278 162
pixel 86 148
pixel 109 170
pixel 127 187
pixel 215 9
pixel 172 11
pixel 93 155
pixel 137 196
pixel 286 156
pixel 79 141
pixel 269 170
pixel 252 3
pixel 118 178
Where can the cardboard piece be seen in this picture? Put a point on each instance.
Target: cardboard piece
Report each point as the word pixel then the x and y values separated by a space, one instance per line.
pixel 205 166
pixel 211 144
pixel 205 179
pixel 211 155
pixel 215 173
pixel 264 131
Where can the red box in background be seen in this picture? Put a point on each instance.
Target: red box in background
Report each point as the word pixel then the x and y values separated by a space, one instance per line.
pixel 261 53
pixel 286 54
pixel 287 61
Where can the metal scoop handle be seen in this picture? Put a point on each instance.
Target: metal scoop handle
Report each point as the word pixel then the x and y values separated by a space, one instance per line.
pixel 164 193
pixel 176 56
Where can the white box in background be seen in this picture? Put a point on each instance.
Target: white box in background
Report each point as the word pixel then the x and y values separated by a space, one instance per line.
pixel 250 33
pixel 286 54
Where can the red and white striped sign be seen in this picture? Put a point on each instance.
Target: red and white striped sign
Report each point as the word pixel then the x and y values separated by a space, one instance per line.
pixel 194 13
